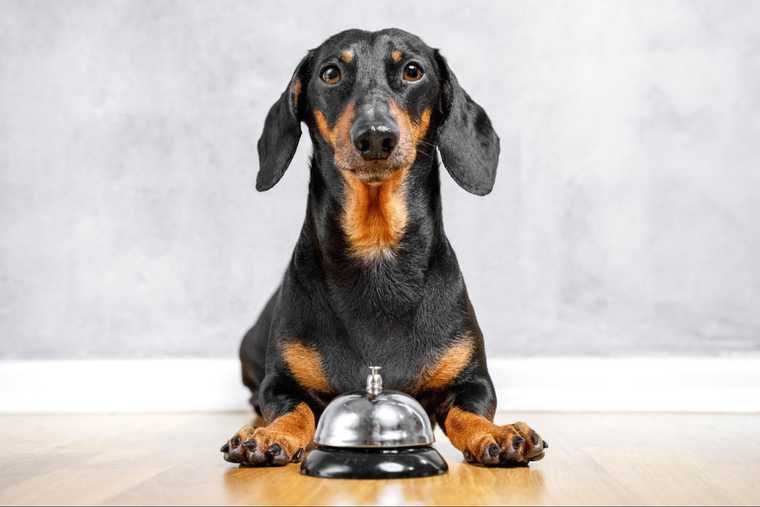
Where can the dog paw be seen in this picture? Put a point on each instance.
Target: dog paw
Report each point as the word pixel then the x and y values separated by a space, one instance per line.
pixel 252 446
pixel 511 445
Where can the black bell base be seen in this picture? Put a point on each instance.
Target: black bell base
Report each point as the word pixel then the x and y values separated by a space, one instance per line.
pixel 341 463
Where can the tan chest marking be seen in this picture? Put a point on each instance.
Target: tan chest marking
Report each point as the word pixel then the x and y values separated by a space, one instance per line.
pixel 374 216
pixel 305 364
pixel 448 366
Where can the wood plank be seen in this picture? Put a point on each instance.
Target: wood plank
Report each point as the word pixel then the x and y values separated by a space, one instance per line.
pixel 173 459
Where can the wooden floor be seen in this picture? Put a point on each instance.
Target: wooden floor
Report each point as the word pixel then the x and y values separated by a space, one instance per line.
pixel 174 459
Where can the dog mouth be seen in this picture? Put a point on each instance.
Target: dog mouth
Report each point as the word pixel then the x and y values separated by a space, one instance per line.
pixel 373 172
pixel 379 170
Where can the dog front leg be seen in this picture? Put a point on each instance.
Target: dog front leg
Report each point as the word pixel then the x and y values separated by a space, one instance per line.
pixel 290 428
pixel 468 423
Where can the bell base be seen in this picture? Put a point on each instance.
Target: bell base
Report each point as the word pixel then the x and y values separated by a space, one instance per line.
pixel 357 463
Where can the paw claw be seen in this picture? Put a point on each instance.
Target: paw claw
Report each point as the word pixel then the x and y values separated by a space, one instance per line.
pixel 277 456
pixel 537 457
pixel 234 456
pixel 490 455
pixel 298 455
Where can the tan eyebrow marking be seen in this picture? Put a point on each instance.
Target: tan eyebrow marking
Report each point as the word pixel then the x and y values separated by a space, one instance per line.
pixel 346 56
pixel 396 56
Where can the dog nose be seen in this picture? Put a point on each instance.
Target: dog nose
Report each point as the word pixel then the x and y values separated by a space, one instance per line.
pixel 376 142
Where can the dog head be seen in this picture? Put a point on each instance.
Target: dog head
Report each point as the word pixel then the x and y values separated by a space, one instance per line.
pixel 374 102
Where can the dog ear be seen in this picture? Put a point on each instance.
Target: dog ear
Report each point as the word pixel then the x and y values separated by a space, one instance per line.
pixel 468 143
pixel 282 130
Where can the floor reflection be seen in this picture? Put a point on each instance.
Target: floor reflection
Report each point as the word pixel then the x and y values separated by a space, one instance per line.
pixel 463 484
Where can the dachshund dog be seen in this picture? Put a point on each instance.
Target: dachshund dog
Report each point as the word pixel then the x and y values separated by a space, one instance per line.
pixel 373 279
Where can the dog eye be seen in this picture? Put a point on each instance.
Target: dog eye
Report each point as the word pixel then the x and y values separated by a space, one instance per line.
pixel 330 74
pixel 413 72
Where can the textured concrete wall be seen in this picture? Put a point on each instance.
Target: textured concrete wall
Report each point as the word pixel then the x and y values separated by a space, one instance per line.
pixel 624 219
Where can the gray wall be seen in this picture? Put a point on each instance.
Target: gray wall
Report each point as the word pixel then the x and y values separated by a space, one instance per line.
pixel 624 219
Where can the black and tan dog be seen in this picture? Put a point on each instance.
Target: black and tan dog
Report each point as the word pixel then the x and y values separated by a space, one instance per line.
pixel 373 279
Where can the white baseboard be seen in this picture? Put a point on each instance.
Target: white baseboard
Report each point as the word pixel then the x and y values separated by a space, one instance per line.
pixel 526 384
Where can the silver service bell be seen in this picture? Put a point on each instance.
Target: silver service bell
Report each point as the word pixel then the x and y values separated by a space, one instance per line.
pixel 374 434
